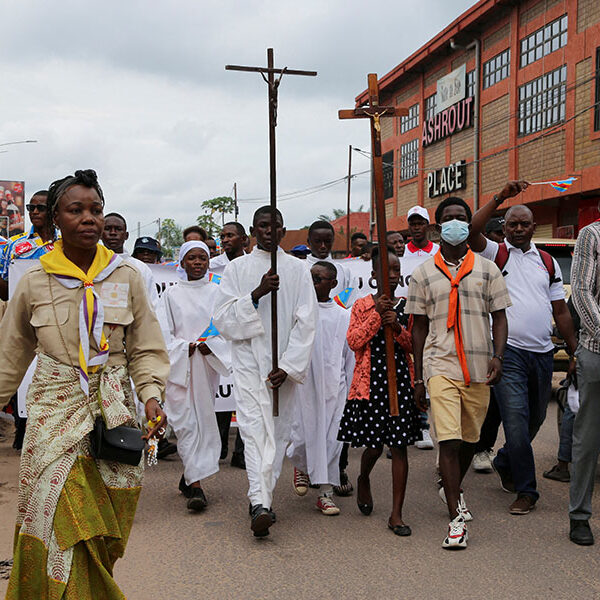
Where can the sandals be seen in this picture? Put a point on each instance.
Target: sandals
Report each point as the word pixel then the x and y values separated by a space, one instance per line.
pixel 365 509
pixel 401 530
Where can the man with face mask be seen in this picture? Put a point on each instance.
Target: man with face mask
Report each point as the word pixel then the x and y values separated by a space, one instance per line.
pixel 452 296
pixel 535 284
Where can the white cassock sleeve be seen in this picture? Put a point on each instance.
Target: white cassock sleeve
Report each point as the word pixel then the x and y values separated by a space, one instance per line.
pixel 235 317
pixel 177 348
pixel 348 360
pixel 220 359
pixel 296 358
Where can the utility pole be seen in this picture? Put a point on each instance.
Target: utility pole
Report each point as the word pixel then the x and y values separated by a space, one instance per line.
pixel 158 234
pixel 236 210
pixel 348 203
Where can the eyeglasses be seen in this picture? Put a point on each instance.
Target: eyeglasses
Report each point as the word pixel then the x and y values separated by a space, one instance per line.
pixel 318 279
pixel 33 207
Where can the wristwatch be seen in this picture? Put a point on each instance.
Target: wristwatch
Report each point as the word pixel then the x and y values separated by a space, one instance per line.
pixel 499 357
pixel 497 200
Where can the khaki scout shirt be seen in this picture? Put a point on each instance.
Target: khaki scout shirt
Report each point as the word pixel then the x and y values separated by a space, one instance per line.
pixel 29 327
pixel 481 292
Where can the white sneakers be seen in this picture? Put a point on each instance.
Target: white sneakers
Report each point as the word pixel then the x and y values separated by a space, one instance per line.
pixel 457 534
pixel 426 443
pixel 482 461
pixel 462 506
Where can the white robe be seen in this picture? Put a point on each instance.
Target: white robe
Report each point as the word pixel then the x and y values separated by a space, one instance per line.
pixel 218 264
pixel 249 329
pixel 320 403
pixel 345 279
pixel 193 381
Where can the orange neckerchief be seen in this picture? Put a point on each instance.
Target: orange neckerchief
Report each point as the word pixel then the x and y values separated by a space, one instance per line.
pixel 454 305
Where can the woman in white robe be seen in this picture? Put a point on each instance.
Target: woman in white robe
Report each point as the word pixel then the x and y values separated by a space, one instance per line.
pixel 198 357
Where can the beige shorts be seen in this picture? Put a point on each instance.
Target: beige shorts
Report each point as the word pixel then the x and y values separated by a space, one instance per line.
pixel 458 410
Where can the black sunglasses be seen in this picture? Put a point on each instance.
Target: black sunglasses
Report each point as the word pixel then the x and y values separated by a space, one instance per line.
pixel 34 207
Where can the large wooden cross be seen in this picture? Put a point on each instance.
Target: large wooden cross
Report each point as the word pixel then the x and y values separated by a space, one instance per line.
pixel 273 85
pixel 374 112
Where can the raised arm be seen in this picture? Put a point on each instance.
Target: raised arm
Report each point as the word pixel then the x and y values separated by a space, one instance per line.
pixel 476 239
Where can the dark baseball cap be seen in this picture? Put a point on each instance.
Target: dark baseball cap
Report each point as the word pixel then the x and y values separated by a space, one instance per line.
pixel 147 243
pixel 494 224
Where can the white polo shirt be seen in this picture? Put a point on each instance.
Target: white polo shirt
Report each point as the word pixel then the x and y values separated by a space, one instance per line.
pixel 530 316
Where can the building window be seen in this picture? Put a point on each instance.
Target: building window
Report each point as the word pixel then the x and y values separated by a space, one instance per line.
pixel 544 41
pixel 471 83
pixel 430 104
pixel 409 159
pixel 597 97
pixel 542 101
pixel 411 120
pixel 388 174
pixel 496 69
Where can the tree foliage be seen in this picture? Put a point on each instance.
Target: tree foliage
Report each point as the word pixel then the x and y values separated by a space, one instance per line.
pixel 223 205
pixel 170 236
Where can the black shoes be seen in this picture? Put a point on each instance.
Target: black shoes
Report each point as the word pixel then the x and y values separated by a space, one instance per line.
pixel 224 451
pixel 581 533
pixel 365 509
pixel 165 448
pixel 238 460
pixel 196 499
pixel 261 520
pixel 184 488
pixel 558 474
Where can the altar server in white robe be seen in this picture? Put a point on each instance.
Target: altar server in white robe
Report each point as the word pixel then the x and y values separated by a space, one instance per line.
pixel 243 315
pixel 199 355
pixel 315 451
pixel 321 237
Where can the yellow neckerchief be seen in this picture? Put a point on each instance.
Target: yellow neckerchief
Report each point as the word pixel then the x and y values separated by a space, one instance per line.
pixel 91 310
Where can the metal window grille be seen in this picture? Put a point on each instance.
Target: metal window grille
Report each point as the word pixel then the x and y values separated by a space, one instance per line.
pixel 544 41
pixel 409 159
pixel 388 174
pixel 597 95
pixel 411 120
pixel 471 83
pixel 430 104
pixel 496 69
pixel 542 101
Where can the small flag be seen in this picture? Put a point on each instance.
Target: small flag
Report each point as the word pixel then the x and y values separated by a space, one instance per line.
pixel 561 185
pixel 343 297
pixel 214 278
pixel 210 331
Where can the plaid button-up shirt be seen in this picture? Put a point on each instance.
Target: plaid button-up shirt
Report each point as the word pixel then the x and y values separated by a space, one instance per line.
pixel 481 292
pixel 585 285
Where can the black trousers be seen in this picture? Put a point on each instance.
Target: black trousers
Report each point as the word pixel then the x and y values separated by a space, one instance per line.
pixel 490 427
pixel 224 423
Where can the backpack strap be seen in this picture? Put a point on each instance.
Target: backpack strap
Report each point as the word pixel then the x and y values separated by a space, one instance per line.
pixel 549 264
pixel 501 257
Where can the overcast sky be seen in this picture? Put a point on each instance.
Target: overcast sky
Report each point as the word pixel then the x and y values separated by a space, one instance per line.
pixel 138 91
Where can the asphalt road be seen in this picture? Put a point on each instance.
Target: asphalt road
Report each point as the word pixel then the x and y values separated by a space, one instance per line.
pixel 177 555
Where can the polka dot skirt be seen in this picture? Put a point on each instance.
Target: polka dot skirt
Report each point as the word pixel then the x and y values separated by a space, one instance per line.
pixel 368 422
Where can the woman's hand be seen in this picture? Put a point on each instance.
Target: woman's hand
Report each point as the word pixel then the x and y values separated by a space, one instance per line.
pixel 391 318
pixel 153 412
pixel 383 304
pixel 192 348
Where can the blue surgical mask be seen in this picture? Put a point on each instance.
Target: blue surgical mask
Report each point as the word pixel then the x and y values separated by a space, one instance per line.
pixel 455 232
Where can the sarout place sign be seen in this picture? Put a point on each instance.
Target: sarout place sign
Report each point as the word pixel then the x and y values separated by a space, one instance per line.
pixel 446 180
pixel 455 118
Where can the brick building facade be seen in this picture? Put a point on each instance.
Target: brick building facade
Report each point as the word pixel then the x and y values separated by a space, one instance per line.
pixel 534 110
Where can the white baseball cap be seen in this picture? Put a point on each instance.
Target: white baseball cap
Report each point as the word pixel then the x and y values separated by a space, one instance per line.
pixel 421 211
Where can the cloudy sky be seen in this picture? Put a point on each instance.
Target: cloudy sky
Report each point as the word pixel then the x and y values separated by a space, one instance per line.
pixel 138 91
